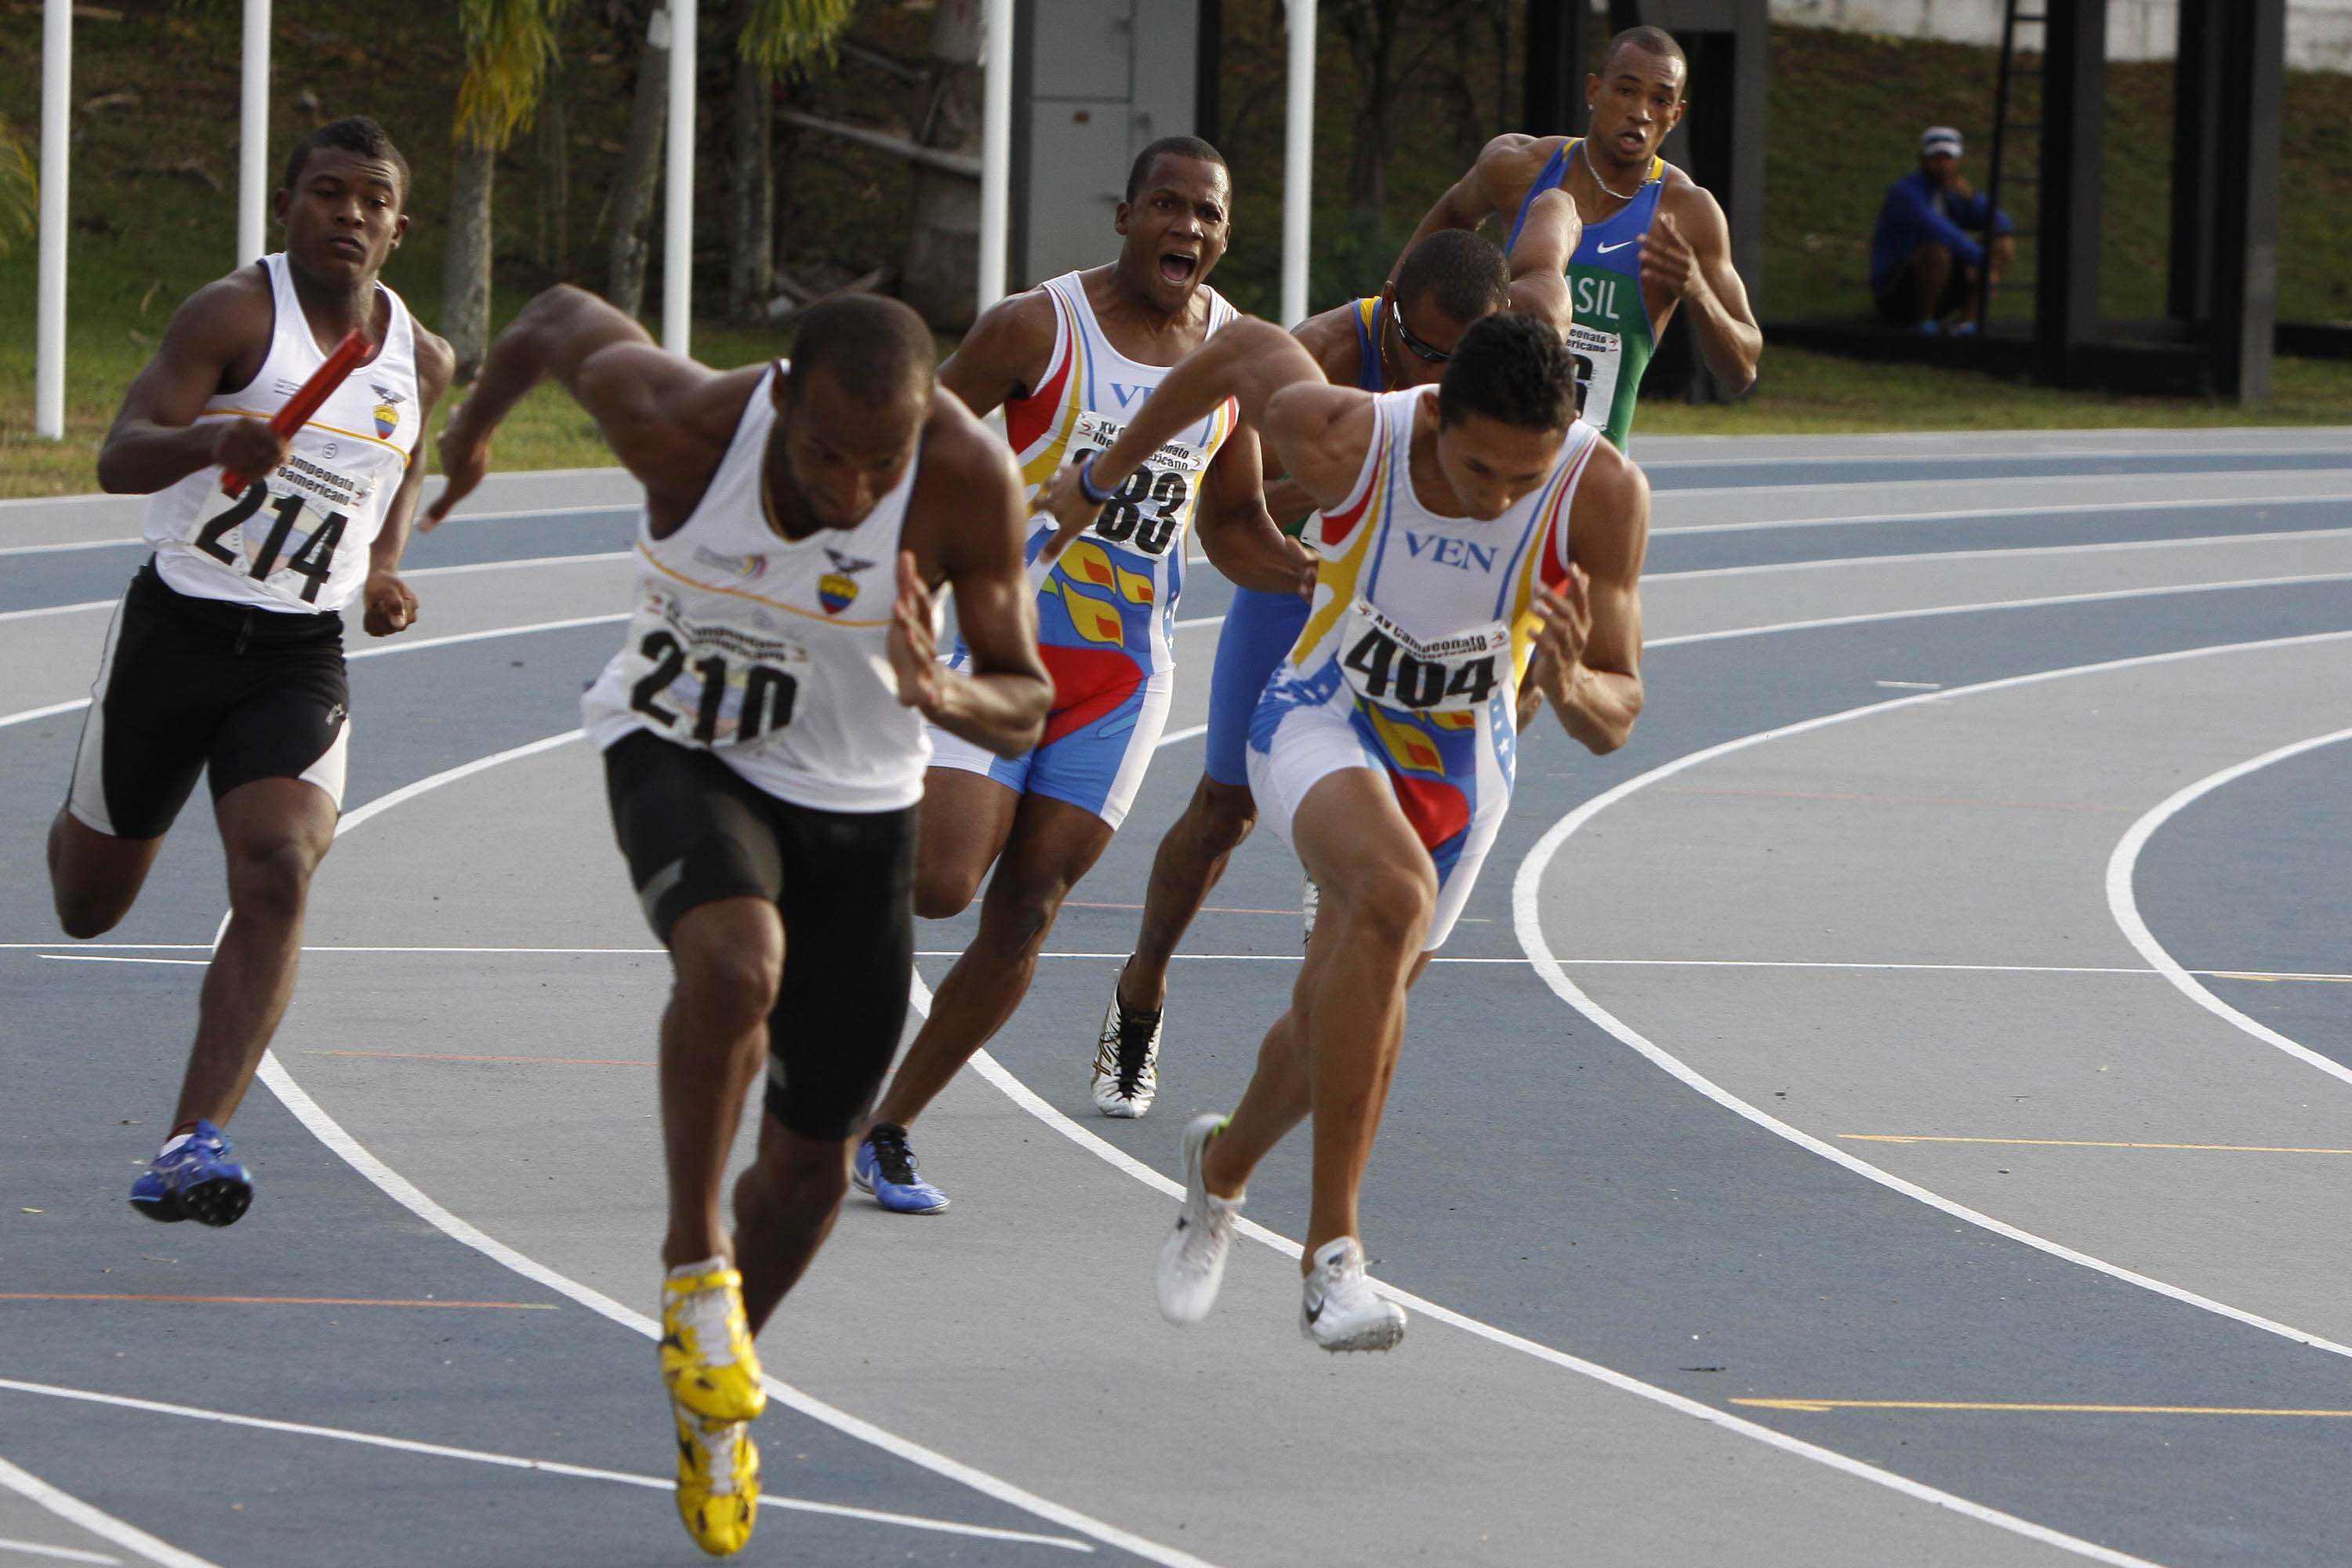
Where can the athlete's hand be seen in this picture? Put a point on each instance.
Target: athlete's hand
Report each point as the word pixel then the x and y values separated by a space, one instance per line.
pixel 1309 563
pixel 249 446
pixel 1071 511
pixel 914 649
pixel 464 459
pixel 1567 617
pixel 1667 260
pixel 391 607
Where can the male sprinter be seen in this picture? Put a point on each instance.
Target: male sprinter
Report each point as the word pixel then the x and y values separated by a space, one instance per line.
pixel 1653 238
pixel 763 731
pixel 1464 527
pixel 1070 362
pixel 227 652
pixel 1449 280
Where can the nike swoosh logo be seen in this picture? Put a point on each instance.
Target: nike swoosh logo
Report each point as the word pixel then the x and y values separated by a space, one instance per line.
pixel 1605 249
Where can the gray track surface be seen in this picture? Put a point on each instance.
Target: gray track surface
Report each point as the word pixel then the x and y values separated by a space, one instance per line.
pixel 1936 679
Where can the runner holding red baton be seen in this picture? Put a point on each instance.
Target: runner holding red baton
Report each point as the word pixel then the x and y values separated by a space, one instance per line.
pixel 305 402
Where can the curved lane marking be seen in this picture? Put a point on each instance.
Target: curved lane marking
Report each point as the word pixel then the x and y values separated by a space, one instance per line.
pixel 2061 510
pixel 2125 908
pixel 2102 547
pixel 402 1191
pixel 515 1462
pixel 1526 917
pixel 72 1509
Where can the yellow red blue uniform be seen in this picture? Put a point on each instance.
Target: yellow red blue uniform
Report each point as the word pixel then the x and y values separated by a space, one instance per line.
pixel 1411 661
pixel 1107 609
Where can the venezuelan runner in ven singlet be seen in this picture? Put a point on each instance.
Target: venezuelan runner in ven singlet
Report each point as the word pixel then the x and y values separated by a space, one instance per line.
pixel 1073 363
pixel 763 736
pixel 1401 338
pixel 1107 609
pixel 1472 536
pixel 225 659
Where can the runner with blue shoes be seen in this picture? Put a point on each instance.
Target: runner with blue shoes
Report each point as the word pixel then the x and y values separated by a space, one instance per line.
pixel 1654 241
pixel 1072 363
pixel 1400 337
pixel 226 656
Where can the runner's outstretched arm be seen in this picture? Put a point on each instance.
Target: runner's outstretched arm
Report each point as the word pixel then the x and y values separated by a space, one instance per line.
pixel 1236 529
pixel 663 416
pixel 1497 183
pixel 1687 252
pixel 1539 259
pixel 156 439
pixel 1588 655
pixel 966 526
pixel 1006 349
pixel 1280 392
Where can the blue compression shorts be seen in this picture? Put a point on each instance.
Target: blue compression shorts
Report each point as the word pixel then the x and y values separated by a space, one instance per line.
pixel 1259 632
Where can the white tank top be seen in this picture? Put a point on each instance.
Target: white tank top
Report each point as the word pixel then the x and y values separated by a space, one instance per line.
pixel 298 539
pixel 770 653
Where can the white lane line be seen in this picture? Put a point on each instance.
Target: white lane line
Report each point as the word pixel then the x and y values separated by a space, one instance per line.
pixel 60 1553
pixel 57 610
pixel 1022 1095
pixel 1981 511
pixel 1527 916
pixel 521 561
pixel 2125 908
pixel 105 1526
pixel 514 1462
pixel 2106 548
pixel 117 958
pixel 397 1187
pixel 1924 613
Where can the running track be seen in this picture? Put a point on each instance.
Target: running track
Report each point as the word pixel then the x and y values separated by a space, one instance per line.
pixel 1895 1111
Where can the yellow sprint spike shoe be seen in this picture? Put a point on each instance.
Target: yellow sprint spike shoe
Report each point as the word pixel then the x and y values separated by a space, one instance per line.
pixel 706 1346
pixel 717 1481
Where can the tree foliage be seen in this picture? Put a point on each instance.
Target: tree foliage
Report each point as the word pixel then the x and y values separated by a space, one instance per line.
pixel 20 191
pixel 780 35
pixel 510 46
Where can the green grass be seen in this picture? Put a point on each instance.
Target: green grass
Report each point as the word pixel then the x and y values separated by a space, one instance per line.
pixel 156 92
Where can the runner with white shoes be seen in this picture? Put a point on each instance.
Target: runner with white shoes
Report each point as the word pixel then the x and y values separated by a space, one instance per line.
pixel 1478 541
pixel 1071 361
pixel 1401 338
pixel 764 731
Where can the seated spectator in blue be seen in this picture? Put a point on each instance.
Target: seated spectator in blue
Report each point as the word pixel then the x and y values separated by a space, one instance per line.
pixel 1924 256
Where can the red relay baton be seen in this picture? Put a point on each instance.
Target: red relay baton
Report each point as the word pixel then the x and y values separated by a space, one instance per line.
pixel 305 402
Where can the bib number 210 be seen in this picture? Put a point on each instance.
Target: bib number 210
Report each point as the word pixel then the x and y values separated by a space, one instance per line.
pixel 762 695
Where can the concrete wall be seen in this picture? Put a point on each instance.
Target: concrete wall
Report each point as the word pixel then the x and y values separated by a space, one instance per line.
pixel 2318 32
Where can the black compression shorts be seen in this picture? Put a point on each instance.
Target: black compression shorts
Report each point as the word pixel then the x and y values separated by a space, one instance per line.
pixel 694 831
pixel 188 684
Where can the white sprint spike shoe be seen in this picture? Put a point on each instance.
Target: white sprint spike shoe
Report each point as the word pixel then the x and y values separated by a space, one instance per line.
pixel 1338 1310
pixel 1127 1059
pixel 1193 1258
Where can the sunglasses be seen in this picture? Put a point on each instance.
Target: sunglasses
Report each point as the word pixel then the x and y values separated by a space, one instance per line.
pixel 1417 347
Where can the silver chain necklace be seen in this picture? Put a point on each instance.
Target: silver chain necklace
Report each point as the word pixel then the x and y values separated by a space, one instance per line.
pixel 1584 146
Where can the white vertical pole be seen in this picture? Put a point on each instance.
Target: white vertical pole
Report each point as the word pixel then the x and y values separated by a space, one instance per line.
pixel 1297 162
pixel 678 228
pixel 253 137
pixel 50 326
pixel 995 149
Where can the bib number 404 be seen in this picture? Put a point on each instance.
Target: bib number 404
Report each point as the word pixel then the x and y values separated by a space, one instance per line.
pixel 1392 676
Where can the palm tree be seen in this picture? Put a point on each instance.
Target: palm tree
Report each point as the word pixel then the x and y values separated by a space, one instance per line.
pixel 777 38
pixel 20 191
pixel 940 276
pixel 509 45
pixel 633 191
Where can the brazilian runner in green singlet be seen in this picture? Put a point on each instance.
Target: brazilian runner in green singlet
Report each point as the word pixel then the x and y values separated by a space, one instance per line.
pixel 1654 240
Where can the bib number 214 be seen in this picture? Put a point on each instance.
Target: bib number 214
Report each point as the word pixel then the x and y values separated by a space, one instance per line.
pixel 312 561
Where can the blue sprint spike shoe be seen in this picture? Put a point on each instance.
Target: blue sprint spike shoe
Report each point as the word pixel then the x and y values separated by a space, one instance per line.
pixel 195 1178
pixel 884 1167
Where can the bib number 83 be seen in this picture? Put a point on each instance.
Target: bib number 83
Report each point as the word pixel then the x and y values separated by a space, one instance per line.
pixel 1124 520
pixel 1392 676
pixel 765 695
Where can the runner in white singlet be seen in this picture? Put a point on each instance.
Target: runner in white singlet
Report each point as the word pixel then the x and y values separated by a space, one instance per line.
pixel 1476 542
pixel 1072 363
pixel 764 733
pixel 227 656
